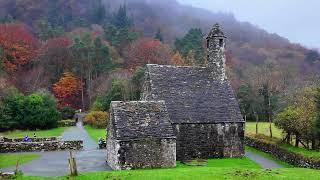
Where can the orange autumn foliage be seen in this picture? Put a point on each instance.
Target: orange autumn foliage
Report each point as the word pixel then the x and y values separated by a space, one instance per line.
pixel 148 51
pixel 67 89
pixel 177 59
pixel 18 45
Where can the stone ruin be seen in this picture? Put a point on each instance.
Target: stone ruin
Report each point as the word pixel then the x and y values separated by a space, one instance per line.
pixel 202 110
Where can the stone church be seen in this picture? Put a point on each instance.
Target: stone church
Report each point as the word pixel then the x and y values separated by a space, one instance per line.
pixel 201 105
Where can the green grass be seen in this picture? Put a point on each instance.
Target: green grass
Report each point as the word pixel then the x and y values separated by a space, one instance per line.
pixel 201 173
pixel 302 151
pixel 94 133
pixel 39 133
pixel 268 156
pixel 7 160
pixel 263 128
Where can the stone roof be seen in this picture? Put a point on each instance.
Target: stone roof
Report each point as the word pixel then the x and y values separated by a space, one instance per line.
pixel 140 119
pixel 192 94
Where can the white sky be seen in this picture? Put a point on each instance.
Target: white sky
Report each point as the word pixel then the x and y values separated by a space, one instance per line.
pixel 297 20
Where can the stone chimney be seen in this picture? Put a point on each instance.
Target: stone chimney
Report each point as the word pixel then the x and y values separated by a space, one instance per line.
pixel 216 43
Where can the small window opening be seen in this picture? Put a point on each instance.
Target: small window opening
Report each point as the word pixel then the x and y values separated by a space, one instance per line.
pixel 221 42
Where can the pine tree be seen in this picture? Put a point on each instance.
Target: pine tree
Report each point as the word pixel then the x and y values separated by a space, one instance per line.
pixel 159 35
pixel 121 19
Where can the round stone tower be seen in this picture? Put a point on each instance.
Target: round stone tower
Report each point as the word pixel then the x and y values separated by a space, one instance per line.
pixel 216 43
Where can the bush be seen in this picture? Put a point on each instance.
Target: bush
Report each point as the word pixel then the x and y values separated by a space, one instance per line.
pixel 36 111
pixel 97 119
pixel 67 112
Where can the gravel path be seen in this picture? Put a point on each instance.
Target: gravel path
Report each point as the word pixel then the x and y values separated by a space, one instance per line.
pixel 56 163
pixel 262 161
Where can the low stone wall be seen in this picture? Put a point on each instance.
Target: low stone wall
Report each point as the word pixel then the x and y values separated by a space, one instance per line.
pixel 67 123
pixel 10 147
pixel 282 154
pixel 4 139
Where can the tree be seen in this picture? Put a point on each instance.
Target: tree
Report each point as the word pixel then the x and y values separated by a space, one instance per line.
pixel 92 58
pixel 55 56
pixel 192 41
pixel 36 111
pixel 317 122
pixel 47 31
pixel 67 90
pixel 159 35
pixel 147 50
pixel 120 19
pixel 117 92
pixel 312 56
pixel 177 59
pixel 99 13
pixel 18 45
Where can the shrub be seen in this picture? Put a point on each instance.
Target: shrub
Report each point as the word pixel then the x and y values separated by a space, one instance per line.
pixel 97 119
pixel 36 111
pixel 67 112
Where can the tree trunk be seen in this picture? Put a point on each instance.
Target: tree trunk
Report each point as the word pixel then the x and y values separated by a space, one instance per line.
pixel 297 141
pixel 257 122
pixel 288 138
pixel 82 93
pixel 270 119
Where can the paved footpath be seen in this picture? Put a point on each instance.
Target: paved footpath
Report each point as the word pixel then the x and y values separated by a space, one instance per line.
pixel 262 161
pixel 56 163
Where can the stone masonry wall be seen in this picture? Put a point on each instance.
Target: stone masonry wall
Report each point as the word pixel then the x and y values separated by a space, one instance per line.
pixel 206 141
pixel 283 154
pixel 144 153
pixel 4 139
pixel 9 147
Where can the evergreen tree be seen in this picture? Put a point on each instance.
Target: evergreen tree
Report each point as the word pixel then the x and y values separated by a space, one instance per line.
pixel 99 13
pixel 121 19
pixel 159 35
pixel 192 41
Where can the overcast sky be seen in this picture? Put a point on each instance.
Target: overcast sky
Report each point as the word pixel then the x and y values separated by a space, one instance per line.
pixel 297 20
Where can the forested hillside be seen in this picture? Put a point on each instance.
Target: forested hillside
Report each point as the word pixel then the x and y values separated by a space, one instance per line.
pixel 88 53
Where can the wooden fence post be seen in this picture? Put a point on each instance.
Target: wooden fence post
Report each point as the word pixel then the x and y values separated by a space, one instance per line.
pixel 72 165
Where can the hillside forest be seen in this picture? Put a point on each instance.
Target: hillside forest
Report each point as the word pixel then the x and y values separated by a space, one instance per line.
pixel 58 56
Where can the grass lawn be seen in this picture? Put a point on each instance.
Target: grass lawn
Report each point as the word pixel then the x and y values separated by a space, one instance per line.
pixel 263 128
pixel 216 169
pixel 7 160
pixel 39 133
pixel 94 133
pixel 302 151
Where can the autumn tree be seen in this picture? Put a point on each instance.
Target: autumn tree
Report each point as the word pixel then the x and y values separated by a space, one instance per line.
pixel 18 45
pixel 148 51
pixel 177 59
pixel 67 89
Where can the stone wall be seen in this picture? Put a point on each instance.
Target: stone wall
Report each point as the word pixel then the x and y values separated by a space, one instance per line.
pixel 9 147
pixel 283 154
pixel 67 123
pixel 143 153
pixel 4 139
pixel 206 141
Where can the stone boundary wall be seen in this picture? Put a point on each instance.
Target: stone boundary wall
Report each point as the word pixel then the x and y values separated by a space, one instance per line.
pixel 11 147
pixel 283 154
pixel 4 139
pixel 67 123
